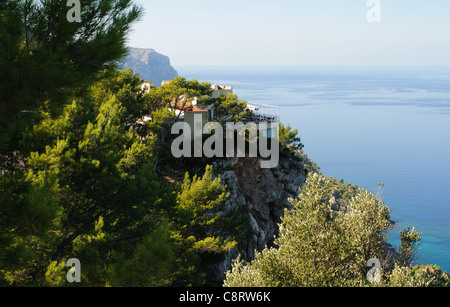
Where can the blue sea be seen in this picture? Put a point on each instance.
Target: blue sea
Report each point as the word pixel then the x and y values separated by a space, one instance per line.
pixel 367 125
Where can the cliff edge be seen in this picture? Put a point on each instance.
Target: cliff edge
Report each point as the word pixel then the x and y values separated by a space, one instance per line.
pixel 262 196
pixel 150 65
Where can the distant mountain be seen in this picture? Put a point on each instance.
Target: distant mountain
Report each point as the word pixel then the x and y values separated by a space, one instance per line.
pixel 150 65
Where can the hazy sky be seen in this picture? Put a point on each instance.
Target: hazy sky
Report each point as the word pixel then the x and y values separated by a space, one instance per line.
pixel 295 32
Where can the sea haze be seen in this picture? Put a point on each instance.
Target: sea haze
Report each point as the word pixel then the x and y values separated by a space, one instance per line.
pixel 367 125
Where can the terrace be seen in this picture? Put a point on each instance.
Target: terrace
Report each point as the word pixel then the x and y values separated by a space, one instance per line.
pixel 262 113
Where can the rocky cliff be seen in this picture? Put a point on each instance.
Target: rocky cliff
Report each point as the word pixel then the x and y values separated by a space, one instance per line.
pixel 150 65
pixel 262 195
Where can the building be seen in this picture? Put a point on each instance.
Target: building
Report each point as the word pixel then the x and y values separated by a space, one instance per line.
pixel 189 118
pixel 186 108
pixel 165 82
pixel 181 104
pixel 219 90
pixel 146 87
pixel 265 114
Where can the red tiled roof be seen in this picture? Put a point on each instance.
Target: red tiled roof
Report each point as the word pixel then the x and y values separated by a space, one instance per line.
pixel 197 110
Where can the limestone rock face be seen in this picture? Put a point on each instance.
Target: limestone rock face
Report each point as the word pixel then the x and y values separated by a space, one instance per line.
pixel 263 195
pixel 150 65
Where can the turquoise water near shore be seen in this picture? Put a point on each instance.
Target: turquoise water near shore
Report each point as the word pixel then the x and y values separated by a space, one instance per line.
pixel 367 125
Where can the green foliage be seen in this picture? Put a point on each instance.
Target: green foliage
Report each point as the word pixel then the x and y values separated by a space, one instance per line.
pixel 202 237
pixel 409 239
pixel 323 245
pixel 126 86
pixel 78 175
pixel 150 264
pixel 201 196
pixel 177 91
pixel 30 224
pixel 320 244
pixel 213 245
pixel 55 275
pixel 147 265
pixel 289 138
pixel 229 108
pixel 88 189
pixel 159 118
pixel 45 60
pixel 85 171
pixel 418 276
pixel 65 165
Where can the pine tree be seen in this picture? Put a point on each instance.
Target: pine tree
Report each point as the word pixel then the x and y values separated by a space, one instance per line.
pixel 85 166
pixel 66 159
pixel 45 59
pixel 199 235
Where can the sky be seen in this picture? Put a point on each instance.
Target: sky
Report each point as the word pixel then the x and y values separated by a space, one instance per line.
pixel 295 32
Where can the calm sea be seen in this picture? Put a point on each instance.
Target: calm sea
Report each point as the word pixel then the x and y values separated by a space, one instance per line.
pixel 367 125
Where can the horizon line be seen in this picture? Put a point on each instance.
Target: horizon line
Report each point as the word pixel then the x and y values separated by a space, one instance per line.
pixel 314 65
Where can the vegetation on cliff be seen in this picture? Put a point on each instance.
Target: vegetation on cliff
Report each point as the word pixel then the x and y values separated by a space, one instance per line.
pixel 78 170
pixel 328 242
pixel 81 176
